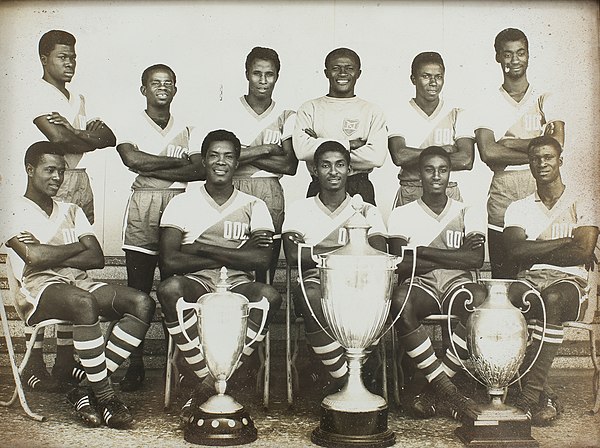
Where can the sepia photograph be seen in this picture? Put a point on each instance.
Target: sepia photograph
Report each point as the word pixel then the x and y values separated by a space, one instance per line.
pixel 334 223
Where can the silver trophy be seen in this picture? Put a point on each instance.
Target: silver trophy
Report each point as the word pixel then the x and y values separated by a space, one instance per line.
pixel 496 341
pixel 356 284
pixel 222 324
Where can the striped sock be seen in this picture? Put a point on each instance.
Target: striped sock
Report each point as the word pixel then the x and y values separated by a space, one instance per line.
pixel 329 352
pixel 536 377
pixel 450 361
pixel 126 335
pixel 89 344
pixel 189 350
pixel 418 346
pixel 64 344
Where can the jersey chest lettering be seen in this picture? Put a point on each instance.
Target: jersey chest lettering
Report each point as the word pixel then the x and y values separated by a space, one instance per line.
pixel 235 230
pixel 561 230
pixel 176 150
pixel 532 122
pixel 342 236
pixel 271 136
pixel 442 136
pixel 69 236
pixel 454 239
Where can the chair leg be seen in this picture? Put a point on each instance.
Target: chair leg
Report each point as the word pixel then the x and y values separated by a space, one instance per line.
pixel 383 354
pixel 17 370
pixel 171 372
pixel 397 374
pixel 267 370
pixel 596 378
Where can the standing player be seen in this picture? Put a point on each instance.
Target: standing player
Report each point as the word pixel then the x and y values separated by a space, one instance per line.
pixel 264 128
pixel 551 234
pixel 51 245
pixel 449 240
pixel 341 115
pixel 426 120
pixel 509 119
pixel 60 116
pixel 319 221
pixel 156 147
pixel 236 231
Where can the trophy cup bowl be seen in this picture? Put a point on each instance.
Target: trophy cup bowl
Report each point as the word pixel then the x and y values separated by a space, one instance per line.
pixel 496 342
pixel 356 286
pixel 222 324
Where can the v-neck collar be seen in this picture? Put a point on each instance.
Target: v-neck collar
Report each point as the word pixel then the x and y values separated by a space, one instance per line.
pixel 253 112
pixel 337 211
pixel 209 199
pixel 511 100
pixel 421 112
pixel 41 210
pixel 431 213
pixel 156 127
pixel 556 205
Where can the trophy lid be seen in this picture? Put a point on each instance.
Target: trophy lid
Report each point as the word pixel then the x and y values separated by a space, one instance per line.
pixel 222 293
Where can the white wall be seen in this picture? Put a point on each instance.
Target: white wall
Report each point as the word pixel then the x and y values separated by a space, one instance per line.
pixel 206 44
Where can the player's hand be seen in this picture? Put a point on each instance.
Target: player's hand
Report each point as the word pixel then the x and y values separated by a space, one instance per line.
pixel 591 263
pixel 27 238
pixel 94 125
pixel 58 119
pixel 357 143
pixel 310 132
pixel 473 241
pixel 450 149
pixel 260 239
pixel 295 238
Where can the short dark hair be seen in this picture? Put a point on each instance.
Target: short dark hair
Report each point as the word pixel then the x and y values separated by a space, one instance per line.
pixel 434 151
pixel 154 68
pixel 544 140
pixel 52 38
pixel 221 135
pixel 342 52
pixel 35 152
pixel 509 35
pixel 427 57
pixel 331 146
pixel 266 54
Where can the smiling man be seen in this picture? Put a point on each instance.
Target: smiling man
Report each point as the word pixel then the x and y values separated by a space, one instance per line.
pixel 427 120
pixel 156 147
pixel 342 116
pixel 507 121
pixel 319 222
pixel 449 238
pixel 551 235
pixel 236 231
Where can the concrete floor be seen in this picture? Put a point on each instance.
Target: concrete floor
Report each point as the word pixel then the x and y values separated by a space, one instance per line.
pixel 278 426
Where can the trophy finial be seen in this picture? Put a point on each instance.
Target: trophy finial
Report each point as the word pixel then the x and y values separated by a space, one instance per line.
pixel 357 203
pixel 357 220
pixel 223 285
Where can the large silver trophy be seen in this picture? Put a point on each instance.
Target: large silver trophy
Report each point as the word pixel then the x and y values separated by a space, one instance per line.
pixel 356 285
pixel 496 341
pixel 222 324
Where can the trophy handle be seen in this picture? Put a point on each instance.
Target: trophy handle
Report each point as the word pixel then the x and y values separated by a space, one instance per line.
pixel 469 301
pixel 182 306
pixel 412 277
pixel 316 260
pixel 263 305
pixel 527 304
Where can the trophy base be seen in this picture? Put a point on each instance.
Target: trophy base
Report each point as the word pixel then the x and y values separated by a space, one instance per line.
pixel 496 426
pixel 353 429
pixel 236 428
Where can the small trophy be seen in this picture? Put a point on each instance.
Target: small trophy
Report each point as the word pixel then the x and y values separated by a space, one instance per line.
pixel 222 323
pixel 356 284
pixel 496 341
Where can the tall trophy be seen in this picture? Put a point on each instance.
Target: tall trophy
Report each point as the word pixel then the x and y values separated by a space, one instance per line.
pixel 222 323
pixel 496 341
pixel 356 287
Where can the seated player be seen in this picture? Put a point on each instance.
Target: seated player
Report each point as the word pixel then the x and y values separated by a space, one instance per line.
pixel 551 234
pixel 201 231
pixel 448 237
pixel 319 222
pixel 51 245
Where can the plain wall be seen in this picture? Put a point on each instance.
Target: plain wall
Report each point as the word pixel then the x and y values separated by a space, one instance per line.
pixel 206 44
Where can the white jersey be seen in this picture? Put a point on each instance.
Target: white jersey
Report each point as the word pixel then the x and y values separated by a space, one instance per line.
pixel 342 119
pixel 65 225
pixel 525 119
pixel 45 99
pixel 443 127
pixel 173 141
pixel 228 225
pixel 273 126
pixel 324 229
pixel 541 223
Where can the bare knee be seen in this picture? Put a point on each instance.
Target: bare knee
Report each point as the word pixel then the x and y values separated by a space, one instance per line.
pixel 168 292
pixel 554 302
pixel 142 306
pixel 83 307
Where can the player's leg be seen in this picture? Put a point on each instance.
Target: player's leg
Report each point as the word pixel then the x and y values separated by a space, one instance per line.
pixel 66 370
pixel 360 184
pixel 62 301
pixel 327 350
pixel 499 261
pixel 562 303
